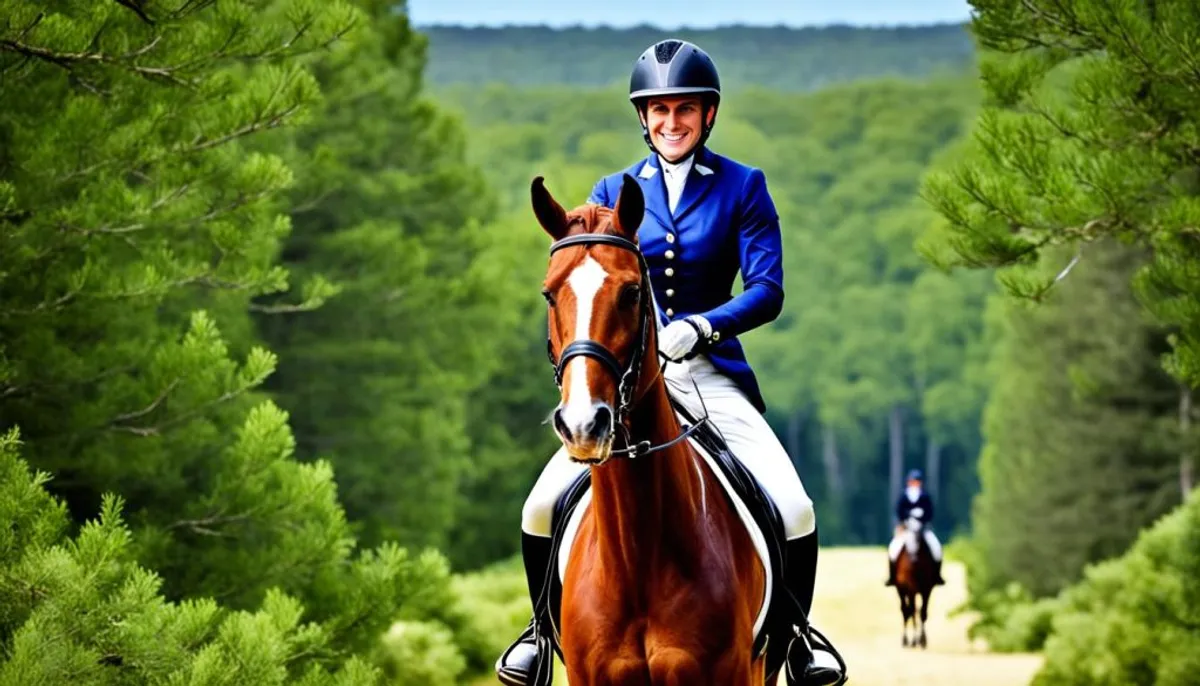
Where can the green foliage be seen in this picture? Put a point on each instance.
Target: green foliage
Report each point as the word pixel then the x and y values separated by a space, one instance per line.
pixel 1086 135
pixel 778 58
pixel 83 611
pixel 1134 619
pixel 1078 429
pixel 145 154
pixel 1076 186
pixel 379 380
pixel 497 607
pixel 1012 621
pixel 421 654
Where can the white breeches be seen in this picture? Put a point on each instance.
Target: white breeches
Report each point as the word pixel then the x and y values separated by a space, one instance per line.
pixel 897 544
pixel 746 432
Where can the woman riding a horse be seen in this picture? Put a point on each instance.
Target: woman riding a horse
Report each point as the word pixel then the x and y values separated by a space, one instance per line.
pixel 698 218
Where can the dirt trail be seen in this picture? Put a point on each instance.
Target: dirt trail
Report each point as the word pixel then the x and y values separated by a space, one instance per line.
pixel 862 618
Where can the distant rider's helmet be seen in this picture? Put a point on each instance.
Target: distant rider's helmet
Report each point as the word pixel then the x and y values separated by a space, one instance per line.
pixel 675 67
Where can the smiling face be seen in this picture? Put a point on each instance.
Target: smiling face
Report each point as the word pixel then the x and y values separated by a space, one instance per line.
pixel 676 124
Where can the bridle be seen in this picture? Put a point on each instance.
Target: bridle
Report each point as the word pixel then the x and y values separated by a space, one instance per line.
pixel 627 375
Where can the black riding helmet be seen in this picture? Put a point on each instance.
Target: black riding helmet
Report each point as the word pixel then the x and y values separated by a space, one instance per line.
pixel 675 67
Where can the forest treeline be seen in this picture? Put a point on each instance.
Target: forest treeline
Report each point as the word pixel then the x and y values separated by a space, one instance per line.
pixel 272 359
pixel 778 58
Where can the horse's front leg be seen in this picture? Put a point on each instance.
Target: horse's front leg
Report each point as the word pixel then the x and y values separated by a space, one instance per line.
pixel 924 616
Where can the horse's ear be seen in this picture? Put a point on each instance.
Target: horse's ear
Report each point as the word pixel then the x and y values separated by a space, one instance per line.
pixel 630 208
pixel 549 213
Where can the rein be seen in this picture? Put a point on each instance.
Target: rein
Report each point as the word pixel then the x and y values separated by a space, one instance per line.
pixel 627 376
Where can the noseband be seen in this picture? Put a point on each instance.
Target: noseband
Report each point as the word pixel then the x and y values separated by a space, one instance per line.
pixel 626 375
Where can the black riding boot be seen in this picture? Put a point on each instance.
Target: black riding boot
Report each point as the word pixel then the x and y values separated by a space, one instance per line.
pixel 937 573
pixel 801 576
pixel 891 573
pixel 520 660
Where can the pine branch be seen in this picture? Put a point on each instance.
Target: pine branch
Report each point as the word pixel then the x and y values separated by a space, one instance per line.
pixel 1062 274
pixel 136 7
pixel 1067 23
pixel 36 20
pixel 190 6
pixel 142 50
pixel 200 144
pixel 203 526
pixel 280 309
pixel 44 306
pixel 36 386
pixel 158 429
pixel 67 60
pixel 151 407
pixel 87 85
pixel 1131 45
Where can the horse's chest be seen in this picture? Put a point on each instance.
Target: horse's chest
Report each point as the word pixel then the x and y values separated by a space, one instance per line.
pixel 662 630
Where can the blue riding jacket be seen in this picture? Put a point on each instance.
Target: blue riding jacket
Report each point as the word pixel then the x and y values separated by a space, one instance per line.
pixel 904 507
pixel 724 222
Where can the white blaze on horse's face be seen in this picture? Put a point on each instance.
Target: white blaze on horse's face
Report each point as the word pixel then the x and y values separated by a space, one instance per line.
pixel 579 405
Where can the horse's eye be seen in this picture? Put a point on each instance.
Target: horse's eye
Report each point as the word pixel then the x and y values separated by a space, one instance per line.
pixel 549 297
pixel 631 295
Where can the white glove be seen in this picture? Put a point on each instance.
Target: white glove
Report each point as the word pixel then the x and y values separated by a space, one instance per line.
pixel 679 337
pixel 916 512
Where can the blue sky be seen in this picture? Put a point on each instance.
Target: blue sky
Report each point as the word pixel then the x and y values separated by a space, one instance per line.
pixel 672 14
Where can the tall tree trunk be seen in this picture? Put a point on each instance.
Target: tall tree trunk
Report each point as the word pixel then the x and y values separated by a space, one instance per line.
pixel 1186 466
pixel 896 450
pixel 933 467
pixel 833 464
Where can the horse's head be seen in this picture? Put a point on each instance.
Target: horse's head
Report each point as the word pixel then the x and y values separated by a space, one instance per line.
pixel 601 320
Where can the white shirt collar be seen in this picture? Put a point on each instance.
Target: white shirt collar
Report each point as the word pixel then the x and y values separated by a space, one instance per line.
pixel 677 169
pixel 675 175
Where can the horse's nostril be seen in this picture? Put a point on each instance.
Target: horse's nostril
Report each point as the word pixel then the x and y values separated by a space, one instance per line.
pixel 602 422
pixel 561 425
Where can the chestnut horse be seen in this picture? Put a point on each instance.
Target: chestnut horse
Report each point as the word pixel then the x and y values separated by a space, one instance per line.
pixel 915 576
pixel 663 583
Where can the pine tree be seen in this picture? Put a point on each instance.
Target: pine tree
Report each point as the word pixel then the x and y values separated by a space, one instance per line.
pixel 138 223
pixel 379 379
pixel 1087 134
pixel 81 610
pixel 1078 428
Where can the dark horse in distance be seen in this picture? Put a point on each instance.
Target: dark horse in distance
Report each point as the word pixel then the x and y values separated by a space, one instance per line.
pixel 916 575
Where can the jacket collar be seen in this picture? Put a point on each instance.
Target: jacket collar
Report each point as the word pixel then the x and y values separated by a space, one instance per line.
pixel 700 181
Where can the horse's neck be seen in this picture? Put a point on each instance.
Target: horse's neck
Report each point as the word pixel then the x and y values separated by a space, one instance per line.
pixel 640 503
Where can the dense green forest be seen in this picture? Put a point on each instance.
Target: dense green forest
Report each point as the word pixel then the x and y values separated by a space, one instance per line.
pixel 272 359
pixel 780 58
